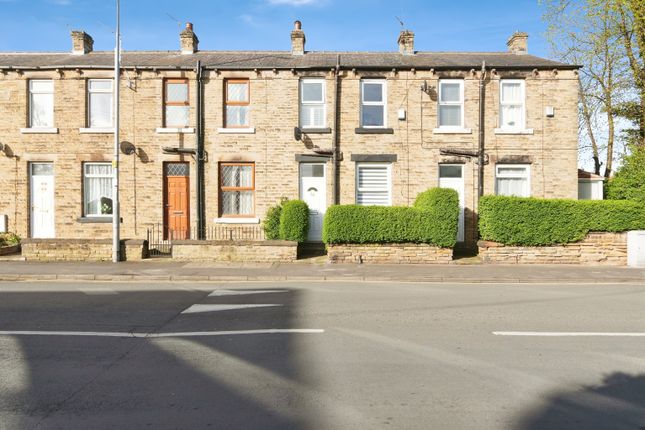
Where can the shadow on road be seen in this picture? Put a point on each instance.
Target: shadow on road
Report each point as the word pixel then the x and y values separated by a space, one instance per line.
pixel 246 381
pixel 618 402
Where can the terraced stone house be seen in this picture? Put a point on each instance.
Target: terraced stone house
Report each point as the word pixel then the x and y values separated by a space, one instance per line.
pixel 213 139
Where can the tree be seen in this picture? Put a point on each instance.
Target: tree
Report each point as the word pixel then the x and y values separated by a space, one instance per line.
pixel 629 182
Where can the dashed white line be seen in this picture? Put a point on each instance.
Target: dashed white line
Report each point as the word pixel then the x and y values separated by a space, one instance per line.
pixel 158 335
pixel 218 293
pixel 568 334
pixel 199 308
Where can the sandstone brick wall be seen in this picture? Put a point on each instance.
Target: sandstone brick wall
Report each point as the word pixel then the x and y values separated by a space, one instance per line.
pixel 389 253
pixel 80 249
pixel 238 251
pixel 551 149
pixel 607 249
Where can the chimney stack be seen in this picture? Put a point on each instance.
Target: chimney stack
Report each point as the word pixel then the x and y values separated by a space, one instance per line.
pixel 518 43
pixel 82 43
pixel 188 40
pixel 406 42
pixel 297 39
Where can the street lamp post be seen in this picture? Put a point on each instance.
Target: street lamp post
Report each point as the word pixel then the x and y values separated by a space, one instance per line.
pixel 116 218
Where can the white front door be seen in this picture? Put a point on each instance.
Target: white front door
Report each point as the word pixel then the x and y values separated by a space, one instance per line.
pixel 42 200
pixel 452 176
pixel 313 190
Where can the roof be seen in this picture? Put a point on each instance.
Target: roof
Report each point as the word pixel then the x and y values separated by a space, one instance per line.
pixel 582 174
pixel 239 60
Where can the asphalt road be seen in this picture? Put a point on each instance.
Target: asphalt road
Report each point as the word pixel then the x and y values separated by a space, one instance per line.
pixel 290 355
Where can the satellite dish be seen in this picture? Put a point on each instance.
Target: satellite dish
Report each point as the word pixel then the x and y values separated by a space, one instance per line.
pixel 127 148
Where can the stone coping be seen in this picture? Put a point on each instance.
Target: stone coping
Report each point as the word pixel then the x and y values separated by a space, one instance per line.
pixel 234 242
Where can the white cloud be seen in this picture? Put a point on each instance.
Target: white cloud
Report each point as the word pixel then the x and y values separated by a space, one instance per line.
pixel 292 2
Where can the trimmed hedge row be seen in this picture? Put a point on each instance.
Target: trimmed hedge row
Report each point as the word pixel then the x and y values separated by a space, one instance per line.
pixel 294 221
pixel 540 222
pixel 288 220
pixel 433 220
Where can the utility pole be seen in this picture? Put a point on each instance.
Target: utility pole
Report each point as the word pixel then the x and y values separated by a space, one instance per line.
pixel 116 217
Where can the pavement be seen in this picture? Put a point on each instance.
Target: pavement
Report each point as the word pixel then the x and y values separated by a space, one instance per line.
pixel 314 269
pixel 321 356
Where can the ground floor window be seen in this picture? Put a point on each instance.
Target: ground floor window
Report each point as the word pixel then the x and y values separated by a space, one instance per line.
pixel 373 184
pixel 97 189
pixel 237 189
pixel 513 180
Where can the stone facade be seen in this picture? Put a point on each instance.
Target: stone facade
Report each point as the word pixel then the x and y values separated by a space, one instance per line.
pixel 606 249
pixel 80 249
pixel 389 253
pixel 549 145
pixel 235 251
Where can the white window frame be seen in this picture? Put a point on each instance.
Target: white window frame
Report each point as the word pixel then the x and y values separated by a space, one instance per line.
pixel 461 103
pixel 383 83
pixel 85 196
pixel 31 93
pixel 322 102
pixel 526 176
pixel 388 167
pixel 89 105
pixel 522 124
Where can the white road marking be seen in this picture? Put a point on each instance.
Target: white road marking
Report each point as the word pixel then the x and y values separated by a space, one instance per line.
pixel 158 335
pixel 194 309
pixel 217 293
pixel 568 334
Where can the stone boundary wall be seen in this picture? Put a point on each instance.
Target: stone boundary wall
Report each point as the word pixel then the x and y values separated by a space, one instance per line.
pixel 606 249
pixel 388 253
pixel 81 249
pixel 237 251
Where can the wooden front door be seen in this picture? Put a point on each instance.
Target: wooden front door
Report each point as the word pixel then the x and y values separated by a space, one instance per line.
pixel 177 214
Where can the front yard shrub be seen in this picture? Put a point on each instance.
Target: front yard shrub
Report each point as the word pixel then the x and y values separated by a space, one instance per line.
pixel 272 221
pixel 9 239
pixel 433 220
pixel 294 221
pixel 542 222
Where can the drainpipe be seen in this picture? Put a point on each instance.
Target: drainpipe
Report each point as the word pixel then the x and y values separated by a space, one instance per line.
pixel 481 159
pixel 335 153
pixel 199 135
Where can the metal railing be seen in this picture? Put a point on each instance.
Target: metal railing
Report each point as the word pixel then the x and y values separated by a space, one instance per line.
pixel 160 238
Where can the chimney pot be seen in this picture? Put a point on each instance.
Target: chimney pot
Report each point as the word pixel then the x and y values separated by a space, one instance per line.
pixel 297 39
pixel 188 40
pixel 406 42
pixel 82 43
pixel 518 43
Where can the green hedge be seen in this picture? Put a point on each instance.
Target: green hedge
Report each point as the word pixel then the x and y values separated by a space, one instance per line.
pixel 294 221
pixel 9 239
pixel 433 220
pixel 271 223
pixel 539 222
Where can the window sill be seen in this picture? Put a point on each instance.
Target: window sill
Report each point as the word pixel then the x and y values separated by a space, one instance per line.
pixel 321 130
pixel 170 130
pixel 250 130
pixel 240 220
pixel 363 130
pixel 513 131
pixel 97 130
pixel 94 220
pixel 39 130
pixel 459 130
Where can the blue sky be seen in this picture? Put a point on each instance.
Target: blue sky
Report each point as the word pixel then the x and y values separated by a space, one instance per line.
pixel 344 25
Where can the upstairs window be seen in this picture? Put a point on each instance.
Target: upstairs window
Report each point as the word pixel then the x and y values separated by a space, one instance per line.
pixel 237 103
pixel 512 101
pixel 373 103
pixel 312 103
pixel 237 189
pixel 451 103
pixel 373 185
pixel 41 103
pixel 97 189
pixel 513 180
pixel 176 103
pixel 100 106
